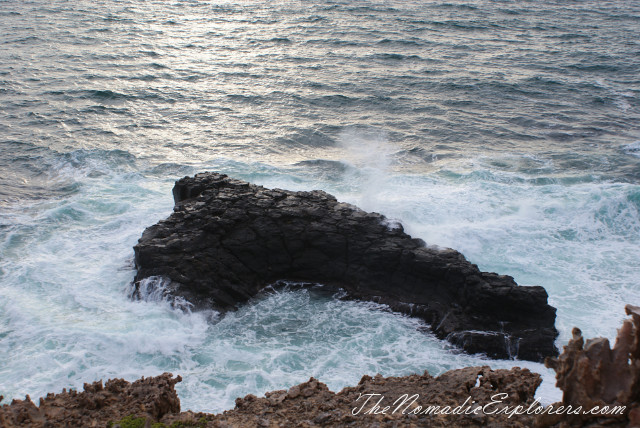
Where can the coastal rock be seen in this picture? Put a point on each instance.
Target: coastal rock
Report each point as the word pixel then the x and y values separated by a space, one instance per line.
pixel 374 402
pixel 98 404
pixel 153 402
pixel 593 375
pixel 227 239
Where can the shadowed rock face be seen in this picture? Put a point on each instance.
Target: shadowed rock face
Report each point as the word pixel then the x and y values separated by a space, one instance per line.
pixel 227 239
pixel 591 374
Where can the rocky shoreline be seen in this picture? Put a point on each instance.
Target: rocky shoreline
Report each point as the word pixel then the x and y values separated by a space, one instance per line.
pixel 154 401
pixel 228 239
pixel 591 375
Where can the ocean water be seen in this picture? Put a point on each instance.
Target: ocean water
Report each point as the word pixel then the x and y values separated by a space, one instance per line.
pixel 509 131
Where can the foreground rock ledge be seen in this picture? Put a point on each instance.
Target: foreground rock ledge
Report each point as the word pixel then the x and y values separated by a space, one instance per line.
pixel 153 402
pixel 227 239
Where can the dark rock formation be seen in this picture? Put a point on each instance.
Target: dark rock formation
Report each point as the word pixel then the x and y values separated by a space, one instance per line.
pixel 592 374
pixel 227 239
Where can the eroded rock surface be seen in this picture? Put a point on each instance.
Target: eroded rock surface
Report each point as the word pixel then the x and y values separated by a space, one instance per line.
pixel 591 375
pixel 98 404
pixel 153 402
pixel 311 404
pixel 227 239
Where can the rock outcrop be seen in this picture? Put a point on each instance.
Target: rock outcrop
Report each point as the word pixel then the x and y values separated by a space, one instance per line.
pixel 592 375
pixel 98 404
pixel 454 399
pixel 228 239
pixel 153 402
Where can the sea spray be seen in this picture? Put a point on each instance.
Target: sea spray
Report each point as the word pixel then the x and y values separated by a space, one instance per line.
pixel 369 152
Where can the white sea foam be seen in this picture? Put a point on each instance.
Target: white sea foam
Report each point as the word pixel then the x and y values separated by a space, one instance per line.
pixel 160 290
pixel 66 319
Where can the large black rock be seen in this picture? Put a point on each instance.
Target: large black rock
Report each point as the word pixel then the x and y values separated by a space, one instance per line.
pixel 228 239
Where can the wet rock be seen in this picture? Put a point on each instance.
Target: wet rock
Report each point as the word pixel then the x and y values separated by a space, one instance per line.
pixel 228 239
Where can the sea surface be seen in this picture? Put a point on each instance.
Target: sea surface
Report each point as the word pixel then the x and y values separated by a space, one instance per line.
pixel 508 130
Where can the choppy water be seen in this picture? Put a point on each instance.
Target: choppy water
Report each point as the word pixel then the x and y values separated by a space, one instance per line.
pixel 507 130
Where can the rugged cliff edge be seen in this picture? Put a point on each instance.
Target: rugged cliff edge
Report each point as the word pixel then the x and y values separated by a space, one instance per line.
pixel 153 402
pixel 227 239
